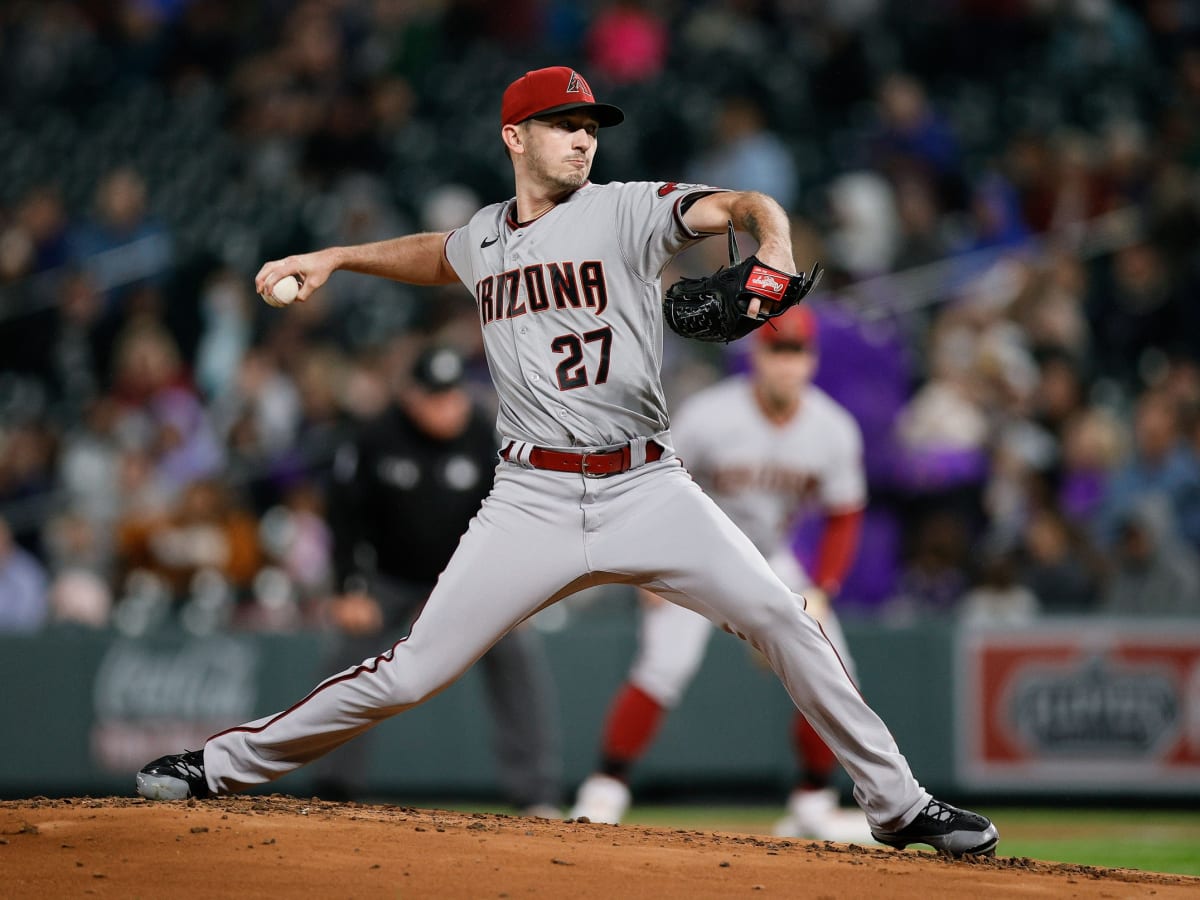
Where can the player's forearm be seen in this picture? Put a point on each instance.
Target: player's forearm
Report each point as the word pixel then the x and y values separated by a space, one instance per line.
pixel 839 546
pixel 414 259
pixel 764 220
pixel 756 214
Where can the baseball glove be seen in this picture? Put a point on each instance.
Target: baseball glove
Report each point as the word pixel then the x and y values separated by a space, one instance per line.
pixel 714 308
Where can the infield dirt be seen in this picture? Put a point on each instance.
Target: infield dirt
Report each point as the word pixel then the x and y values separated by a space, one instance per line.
pixel 277 846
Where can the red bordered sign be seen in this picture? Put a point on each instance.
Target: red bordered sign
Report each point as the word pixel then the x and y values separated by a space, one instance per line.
pixel 1105 707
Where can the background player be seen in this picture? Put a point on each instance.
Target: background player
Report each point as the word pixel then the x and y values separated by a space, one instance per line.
pixel 404 491
pixel 566 276
pixel 767 448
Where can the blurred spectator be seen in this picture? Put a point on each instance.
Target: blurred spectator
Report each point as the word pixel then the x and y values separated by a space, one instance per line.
pixel 26 461
pixel 997 597
pixel 942 429
pixel 1051 309
pixel 996 217
pixel 204 41
pixel 1092 449
pixel 1125 171
pixel 921 238
pixel 1058 565
pixel 1154 573
pixel 627 43
pixel 80 554
pixel 345 139
pixel 912 138
pixel 1071 192
pixel 159 408
pixel 122 244
pixel 1137 311
pixel 80 355
pixel 258 414
pixel 23 603
pixel 297 538
pixel 228 331
pixel 77 544
pixel 516 25
pixel 80 597
pixel 37 238
pixel 1060 390
pixel 866 229
pixel 142 491
pixel 1097 40
pixel 204 531
pixel 934 578
pixel 744 155
pixel 88 465
pixel 1162 465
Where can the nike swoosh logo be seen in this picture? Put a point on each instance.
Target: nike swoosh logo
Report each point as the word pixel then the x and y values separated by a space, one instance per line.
pixel 487 243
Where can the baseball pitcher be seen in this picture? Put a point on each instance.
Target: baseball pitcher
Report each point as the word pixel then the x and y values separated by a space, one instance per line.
pixel 588 489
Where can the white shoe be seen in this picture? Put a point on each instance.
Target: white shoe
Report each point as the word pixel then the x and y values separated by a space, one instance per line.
pixel 815 815
pixel 601 798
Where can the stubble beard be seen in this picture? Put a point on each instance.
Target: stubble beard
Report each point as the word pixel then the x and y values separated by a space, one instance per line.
pixel 568 181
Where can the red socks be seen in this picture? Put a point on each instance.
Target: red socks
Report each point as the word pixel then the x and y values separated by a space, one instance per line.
pixel 633 721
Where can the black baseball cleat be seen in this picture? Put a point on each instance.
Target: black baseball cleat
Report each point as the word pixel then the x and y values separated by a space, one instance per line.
pixel 945 828
pixel 174 777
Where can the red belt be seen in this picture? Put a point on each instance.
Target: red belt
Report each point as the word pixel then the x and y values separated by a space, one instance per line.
pixel 592 464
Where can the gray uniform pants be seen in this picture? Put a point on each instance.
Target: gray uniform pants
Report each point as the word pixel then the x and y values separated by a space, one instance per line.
pixel 541 536
pixel 526 734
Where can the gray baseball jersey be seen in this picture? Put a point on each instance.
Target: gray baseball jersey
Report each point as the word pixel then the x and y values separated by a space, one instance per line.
pixel 765 474
pixel 570 307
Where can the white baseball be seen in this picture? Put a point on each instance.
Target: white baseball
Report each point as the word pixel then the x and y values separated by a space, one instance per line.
pixel 284 292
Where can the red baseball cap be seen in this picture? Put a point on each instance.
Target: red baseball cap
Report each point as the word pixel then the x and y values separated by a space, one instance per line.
pixel 796 326
pixel 552 90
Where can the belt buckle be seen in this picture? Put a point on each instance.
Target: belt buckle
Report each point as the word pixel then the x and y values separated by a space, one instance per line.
pixel 583 466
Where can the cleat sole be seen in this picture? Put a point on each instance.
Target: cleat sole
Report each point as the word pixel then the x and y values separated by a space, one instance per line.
pixel 153 788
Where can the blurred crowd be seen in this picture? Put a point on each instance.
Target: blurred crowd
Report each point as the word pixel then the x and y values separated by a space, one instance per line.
pixel 1006 194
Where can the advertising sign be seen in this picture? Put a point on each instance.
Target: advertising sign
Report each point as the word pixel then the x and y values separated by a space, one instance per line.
pixel 1108 706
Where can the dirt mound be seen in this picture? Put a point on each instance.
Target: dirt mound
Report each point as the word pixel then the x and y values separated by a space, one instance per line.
pixel 283 846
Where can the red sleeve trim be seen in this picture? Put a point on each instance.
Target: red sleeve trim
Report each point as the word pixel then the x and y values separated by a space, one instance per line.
pixel 838 547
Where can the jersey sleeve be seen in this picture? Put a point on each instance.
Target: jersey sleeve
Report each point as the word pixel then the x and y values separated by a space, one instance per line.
pixel 843 484
pixel 461 243
pixel 457 255
pixel 650 224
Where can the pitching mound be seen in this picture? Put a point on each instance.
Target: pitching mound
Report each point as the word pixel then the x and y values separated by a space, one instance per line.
pixel 284 847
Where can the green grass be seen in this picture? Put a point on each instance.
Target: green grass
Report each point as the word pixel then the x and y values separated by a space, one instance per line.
pixel 1146 839
pixel 1149 840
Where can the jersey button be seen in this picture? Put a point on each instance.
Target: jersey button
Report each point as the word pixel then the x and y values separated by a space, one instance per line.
pixel 535 377
pixel 524 331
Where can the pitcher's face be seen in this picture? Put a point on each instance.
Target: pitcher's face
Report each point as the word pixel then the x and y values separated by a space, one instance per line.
pixel 559 149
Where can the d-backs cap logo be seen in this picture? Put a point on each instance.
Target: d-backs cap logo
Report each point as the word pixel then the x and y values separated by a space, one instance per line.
pixel 579 85
pixel 553 90
pixel 766 283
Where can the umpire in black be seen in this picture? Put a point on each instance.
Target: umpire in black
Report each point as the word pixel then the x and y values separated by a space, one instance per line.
pixel 403 493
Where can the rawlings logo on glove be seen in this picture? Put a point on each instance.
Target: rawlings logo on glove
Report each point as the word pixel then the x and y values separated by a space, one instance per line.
pixel 716 307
